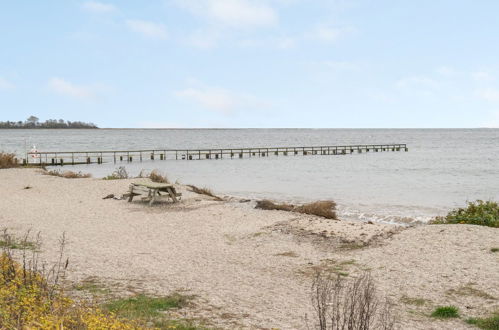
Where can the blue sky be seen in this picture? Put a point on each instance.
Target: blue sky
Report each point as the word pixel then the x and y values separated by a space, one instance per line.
pixel 251 63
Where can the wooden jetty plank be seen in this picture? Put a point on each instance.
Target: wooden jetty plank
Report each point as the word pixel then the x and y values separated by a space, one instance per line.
pixel 117 156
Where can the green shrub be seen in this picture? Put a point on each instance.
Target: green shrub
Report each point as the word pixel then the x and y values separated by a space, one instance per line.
pixel 476 213
pixel 445 312
pixel 488 323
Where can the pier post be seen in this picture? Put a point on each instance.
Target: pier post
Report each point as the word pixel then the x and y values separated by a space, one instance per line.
pixel 61 161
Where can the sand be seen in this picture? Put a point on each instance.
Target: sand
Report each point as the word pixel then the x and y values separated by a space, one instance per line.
pixel 248 268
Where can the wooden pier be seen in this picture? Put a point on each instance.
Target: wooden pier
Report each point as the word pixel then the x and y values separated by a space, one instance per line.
pixel 128 156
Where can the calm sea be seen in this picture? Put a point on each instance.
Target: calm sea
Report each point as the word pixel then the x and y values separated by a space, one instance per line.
pixel 443 169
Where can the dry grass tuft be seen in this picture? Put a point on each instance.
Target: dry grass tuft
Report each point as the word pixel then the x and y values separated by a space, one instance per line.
pixel 8 160
pixel 324 209
pixel 68 174
pixel 349 304
pixel 119 174
pixel 268 205
pixel 157 177
pixel 204 191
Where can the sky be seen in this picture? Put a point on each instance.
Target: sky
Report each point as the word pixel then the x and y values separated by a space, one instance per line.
pixel 252 63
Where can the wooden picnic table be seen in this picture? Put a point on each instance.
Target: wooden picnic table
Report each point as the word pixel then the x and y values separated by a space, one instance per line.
pixel 153 191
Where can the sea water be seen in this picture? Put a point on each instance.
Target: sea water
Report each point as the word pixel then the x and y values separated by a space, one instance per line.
pixel 443 169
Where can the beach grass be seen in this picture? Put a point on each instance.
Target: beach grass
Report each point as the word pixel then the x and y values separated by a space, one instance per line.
pixel 486 323
pixel 325 209
pixel 445 312
pixel 204 191
pixel 68 174
pixel 119 174
pixel 12 242
pixel 8 160
pixel 152 310
pixel 143 306
pixel 157 177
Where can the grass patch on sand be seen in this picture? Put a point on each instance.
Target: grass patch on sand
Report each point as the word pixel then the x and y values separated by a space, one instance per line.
pixel 12 242
pixel 445 312
pixel 469 290
pixel 152 310
pixel 142 306
pixel 494 250
pixel 119 174
pixel 204 191
pixel 8 160
pixel 486 323
pixel 414 301
pixel 476 213
pixel 68 174
pixel 325 209
pixel 290 254
pixel 93 286
pixel 157 177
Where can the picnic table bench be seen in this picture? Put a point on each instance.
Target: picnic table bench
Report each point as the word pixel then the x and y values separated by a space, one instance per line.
pixel 153 191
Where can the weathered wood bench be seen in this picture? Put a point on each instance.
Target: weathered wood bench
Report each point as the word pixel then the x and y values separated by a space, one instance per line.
pixel 152 192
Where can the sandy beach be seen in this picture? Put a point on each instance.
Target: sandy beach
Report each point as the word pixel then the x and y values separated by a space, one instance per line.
pixel 248 268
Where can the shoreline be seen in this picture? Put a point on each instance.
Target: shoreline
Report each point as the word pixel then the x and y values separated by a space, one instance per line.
pixel 248 268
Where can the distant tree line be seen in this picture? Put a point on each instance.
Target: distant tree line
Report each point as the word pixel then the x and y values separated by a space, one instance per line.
pixel 33 122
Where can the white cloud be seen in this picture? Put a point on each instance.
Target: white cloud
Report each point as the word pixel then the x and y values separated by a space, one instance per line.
pixel 148 29
pixel 98 7
pixel 65 87
pixel 233 13
pixel 204 38
pixel 488 94
pixel 279 43
pixel 342 65
pixel 417 82
pixel 5 84
pixel 328 34
pixel 218 99
pixel 446 71
pixel 481 76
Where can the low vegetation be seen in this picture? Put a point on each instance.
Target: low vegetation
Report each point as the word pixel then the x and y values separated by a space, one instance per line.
pixel 445 312
pixel 68 174
pixel 157 177
pixel 349 304
pixel 32 297
pixel 9 241
pixel 204 191
pixel 486 323
pixel 8 160
pixel 483 213
pixel 494 249
pixel 325 209
pixel 119 174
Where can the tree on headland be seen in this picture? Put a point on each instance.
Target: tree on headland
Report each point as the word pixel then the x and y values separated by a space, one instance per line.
pixel 33 122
